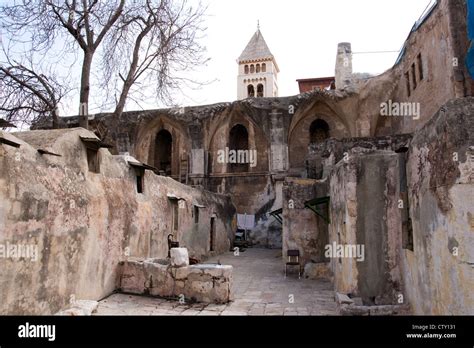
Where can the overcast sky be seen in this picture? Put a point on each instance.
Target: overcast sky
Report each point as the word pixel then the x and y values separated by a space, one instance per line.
pixel 303 36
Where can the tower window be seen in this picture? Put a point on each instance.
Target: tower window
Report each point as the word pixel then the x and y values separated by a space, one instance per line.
pixel 250 91
pixel 264 67
pixel 258 68
pixel 252 69
pixel 246 69
pixel 318 131
pixel 260 90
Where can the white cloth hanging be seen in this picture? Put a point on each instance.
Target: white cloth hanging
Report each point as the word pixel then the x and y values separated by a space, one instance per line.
pixel 245 221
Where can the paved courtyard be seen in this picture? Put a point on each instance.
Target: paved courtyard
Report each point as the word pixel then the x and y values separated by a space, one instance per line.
pixel 260 288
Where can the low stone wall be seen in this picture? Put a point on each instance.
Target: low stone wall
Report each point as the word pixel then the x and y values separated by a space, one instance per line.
pixel 202 282
pixel 438 271
pixel 78 224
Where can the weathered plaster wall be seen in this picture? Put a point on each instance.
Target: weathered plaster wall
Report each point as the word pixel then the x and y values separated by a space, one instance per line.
pixel 303 230
pixel 439 279
pixel 442 43
pixel 364 211
pixel 84 223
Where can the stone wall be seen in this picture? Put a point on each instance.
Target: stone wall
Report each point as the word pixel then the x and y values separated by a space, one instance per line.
pixel 83 224
pixel 303 230
pixel 364 213
pixel 201 283
pixel 439 270
pixel 441 43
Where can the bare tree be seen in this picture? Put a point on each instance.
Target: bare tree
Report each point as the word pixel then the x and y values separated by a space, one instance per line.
pixel 143 42
pixel 81 22
pixel 150 43
pixel 26 96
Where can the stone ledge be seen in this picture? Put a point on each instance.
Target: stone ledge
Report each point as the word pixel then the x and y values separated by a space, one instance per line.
pixel 207 283
pixel 80 307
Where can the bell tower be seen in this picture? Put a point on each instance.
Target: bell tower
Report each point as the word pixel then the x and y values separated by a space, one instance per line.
pixel 258 70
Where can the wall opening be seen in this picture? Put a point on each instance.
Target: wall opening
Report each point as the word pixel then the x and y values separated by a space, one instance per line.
pixel 318 131
pixel 258 68
pixel 212 234
pixel 264 67
pixel 420 67
pixel 246 69
pixel 407 80
pixel 250 91
pixel 239 140
pixel 260 90
pixel 140 176
pixel 413 75
pixel 93 160
pixel 163 152
pixel 252 69
pixel 196 214
pixel 175 218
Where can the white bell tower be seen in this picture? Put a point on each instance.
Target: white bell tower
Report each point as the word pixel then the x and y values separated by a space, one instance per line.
pixel 258 70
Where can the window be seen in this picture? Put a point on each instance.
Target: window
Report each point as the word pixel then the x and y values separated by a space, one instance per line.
pixel 250 91
pixel 212 233
pixel 246 69
pixel 239 141
pixel 264 67
pixel 163 151
pixel 140 182
pixel 252 69
pixel 258 68
pixel 420 66
pixel 260 90
pixel 140 176
pixel 175 213
pixel 196 214
pixel 318 131
pixel 407 80
pixel 93 160
pixel 413 75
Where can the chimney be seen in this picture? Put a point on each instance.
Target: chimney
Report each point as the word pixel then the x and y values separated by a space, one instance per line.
pixel 343 65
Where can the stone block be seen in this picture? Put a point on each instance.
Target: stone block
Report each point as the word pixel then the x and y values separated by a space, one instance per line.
pixel 317 271
pixel 133 278
pixel 342 299
pixel 179 257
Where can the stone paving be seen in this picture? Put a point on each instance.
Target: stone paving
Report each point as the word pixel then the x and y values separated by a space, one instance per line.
pixel 260 288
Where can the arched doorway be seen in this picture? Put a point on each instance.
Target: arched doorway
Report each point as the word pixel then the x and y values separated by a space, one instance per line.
pixel 239 141
pixel 163 152
pixel 318 131
pixel 260 93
